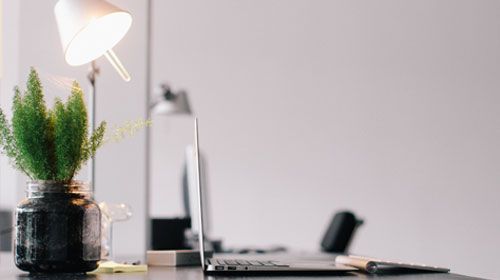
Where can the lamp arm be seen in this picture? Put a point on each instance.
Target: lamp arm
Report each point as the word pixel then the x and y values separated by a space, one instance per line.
pixel 92 76
pixel 117 64
pixel 94 71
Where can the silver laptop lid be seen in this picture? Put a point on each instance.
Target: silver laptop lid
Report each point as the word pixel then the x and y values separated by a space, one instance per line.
pixel 200 202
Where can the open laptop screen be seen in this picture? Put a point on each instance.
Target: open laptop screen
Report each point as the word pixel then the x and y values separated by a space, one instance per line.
pixel 201 240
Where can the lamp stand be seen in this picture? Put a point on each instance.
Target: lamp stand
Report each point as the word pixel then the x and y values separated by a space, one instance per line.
pixel 92 76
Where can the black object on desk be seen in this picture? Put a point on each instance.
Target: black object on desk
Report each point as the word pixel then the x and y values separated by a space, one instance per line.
pixel 168 234
pixel 6 230
pixel 340 232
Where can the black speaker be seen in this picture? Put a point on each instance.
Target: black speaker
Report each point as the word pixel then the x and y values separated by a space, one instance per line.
pixel 340 232
pixel 168 234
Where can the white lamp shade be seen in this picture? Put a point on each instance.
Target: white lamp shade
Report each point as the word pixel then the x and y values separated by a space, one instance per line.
pixel 89 28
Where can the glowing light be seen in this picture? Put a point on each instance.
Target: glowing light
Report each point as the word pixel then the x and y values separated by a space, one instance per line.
pixel 99 36
pixel 90 29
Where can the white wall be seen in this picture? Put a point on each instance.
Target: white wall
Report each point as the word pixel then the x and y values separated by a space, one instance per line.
pixel 9 179
pixel 389 108
pixel 120 167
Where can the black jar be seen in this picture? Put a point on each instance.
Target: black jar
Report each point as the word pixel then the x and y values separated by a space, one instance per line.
pixel 58 228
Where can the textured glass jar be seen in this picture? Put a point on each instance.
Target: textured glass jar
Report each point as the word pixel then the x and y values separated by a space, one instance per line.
pixel 58 228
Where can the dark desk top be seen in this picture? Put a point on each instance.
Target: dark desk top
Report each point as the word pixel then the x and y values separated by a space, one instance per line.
pixel 9 272
pixel 195 273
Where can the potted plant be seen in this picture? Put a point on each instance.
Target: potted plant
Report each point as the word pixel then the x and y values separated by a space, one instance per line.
pixel 58 223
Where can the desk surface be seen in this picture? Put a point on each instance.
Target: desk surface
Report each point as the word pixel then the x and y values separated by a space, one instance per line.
pixel 194 273
pixel 9 272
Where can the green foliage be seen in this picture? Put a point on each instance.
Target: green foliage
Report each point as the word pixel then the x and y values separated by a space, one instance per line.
pixel 48 144
pixel 127 129
pixel 70 134
pixel 33 130
pixel 7 142
pixel 95 142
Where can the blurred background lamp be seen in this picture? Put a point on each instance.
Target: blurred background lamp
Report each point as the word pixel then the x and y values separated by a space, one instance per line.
pixel 90 29
pixel 171 103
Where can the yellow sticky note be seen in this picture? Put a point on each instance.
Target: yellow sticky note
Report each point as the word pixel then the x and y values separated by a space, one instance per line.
pixel 113 267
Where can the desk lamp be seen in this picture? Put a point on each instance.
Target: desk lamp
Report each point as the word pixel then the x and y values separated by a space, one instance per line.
pixel 171 103
pixel 88 30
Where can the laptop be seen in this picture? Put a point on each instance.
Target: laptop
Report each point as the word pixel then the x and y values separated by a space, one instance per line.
pixel 216 265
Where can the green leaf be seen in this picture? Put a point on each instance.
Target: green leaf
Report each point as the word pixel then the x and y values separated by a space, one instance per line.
pixel 33 130
pixel 52 144
pixel 70 134
pixel 8 143
pixel 95 141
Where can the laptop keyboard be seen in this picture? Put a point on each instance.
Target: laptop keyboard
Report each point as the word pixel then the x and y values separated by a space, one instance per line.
pixel 245 262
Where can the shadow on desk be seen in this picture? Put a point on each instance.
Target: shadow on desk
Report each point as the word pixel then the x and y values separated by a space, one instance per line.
pixel 62 276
